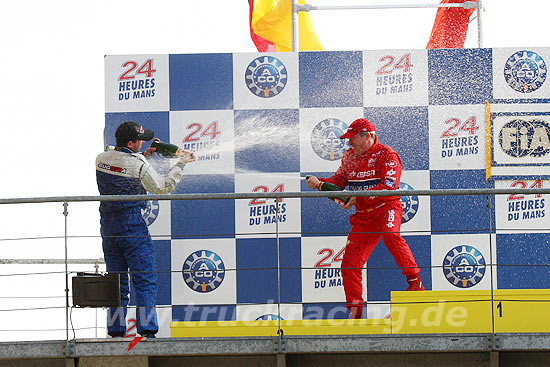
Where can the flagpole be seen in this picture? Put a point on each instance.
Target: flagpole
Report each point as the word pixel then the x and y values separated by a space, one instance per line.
pixel 479 24
pixel 294 23
pixel 465 5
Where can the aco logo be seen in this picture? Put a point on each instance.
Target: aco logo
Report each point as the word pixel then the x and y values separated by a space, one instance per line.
pixel 520 138
pixel 464 266
pixel 266 76
pixel 269 316
pixel 525 71
pixel 409 203
pixel 325 139
pixel 151 212
pixel 203 271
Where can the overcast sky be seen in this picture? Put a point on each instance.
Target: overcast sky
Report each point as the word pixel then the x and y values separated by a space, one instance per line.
pixel 52 95
pixel 53 84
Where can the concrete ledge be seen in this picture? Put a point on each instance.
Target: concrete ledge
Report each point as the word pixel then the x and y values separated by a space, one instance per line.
pixel 521 342
pixel 388 343
pixel 291 344
pixel 33 349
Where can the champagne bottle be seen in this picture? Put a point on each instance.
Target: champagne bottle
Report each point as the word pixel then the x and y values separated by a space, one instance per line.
pixel 327 186
pixel 166 149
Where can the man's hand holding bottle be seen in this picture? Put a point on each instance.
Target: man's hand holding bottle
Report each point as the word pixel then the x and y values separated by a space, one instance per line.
pixel 168 150
pixel 315 183
pixel 149 151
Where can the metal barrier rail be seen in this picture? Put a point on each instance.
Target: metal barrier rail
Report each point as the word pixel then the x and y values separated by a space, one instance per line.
pixel 274 195
pixel 221 196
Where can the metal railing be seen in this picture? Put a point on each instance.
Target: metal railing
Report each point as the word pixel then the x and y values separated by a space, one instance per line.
pixel 98 262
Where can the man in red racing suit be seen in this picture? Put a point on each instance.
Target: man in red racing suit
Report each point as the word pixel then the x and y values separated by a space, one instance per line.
pixel 369 165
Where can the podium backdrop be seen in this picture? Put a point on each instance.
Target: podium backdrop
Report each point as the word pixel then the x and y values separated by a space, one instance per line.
pixel 258 122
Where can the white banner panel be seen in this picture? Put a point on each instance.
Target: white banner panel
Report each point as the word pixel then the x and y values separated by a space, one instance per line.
pixel 461 261
pixel 416 209
pixel 321 148
pixel 269 312
pixel 259 216
pixel 395 78
pixel 457 137
pixel 322 278
pixel 157 215
pixel 521 73
pixel 199 273
pixel 136 83
pixel 520 213
pixel 210 135
pixel 265 82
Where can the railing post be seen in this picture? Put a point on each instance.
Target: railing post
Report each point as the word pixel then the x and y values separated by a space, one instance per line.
pixel 66 213
pixel 96 266
pixel 491 261
pixel 295 26
pixel 279 331
pixel 479 24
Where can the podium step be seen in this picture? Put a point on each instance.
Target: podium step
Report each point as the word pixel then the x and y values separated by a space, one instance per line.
pixel 189 329
pixel 469 311
pixel 419 312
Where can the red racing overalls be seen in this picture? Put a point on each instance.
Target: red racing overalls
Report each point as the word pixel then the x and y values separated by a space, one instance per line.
pixel 376 217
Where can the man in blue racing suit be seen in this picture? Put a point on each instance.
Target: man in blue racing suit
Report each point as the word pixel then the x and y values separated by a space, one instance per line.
pixel 127 244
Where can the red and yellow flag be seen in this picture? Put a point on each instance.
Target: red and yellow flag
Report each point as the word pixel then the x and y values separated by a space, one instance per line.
pixel 450 26
pixel 270 20
pixel 262 45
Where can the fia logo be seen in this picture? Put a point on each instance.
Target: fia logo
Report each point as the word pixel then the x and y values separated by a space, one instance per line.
pixel 520 138
pixel 151 212
pixel 525 71
pixel 464 266
pixel 409 203
pixel 325 139
pixel 203 271
pixel 266 76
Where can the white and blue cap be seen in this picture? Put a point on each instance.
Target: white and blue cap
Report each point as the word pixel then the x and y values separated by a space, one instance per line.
pixel 132 131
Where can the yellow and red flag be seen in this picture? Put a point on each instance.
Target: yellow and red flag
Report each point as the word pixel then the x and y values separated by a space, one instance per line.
pixel 450 26
pixel 262 45
pixel 270 21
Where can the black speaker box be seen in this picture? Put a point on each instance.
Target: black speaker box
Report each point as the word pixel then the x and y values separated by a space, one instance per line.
pixel 96 290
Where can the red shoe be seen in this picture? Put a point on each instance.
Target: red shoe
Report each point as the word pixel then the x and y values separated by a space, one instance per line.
pixel 415 284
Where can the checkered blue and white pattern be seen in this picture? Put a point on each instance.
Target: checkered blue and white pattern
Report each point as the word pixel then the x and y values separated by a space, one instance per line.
pixel 260 121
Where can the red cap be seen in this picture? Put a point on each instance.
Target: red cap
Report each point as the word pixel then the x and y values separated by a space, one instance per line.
pixel 358 126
